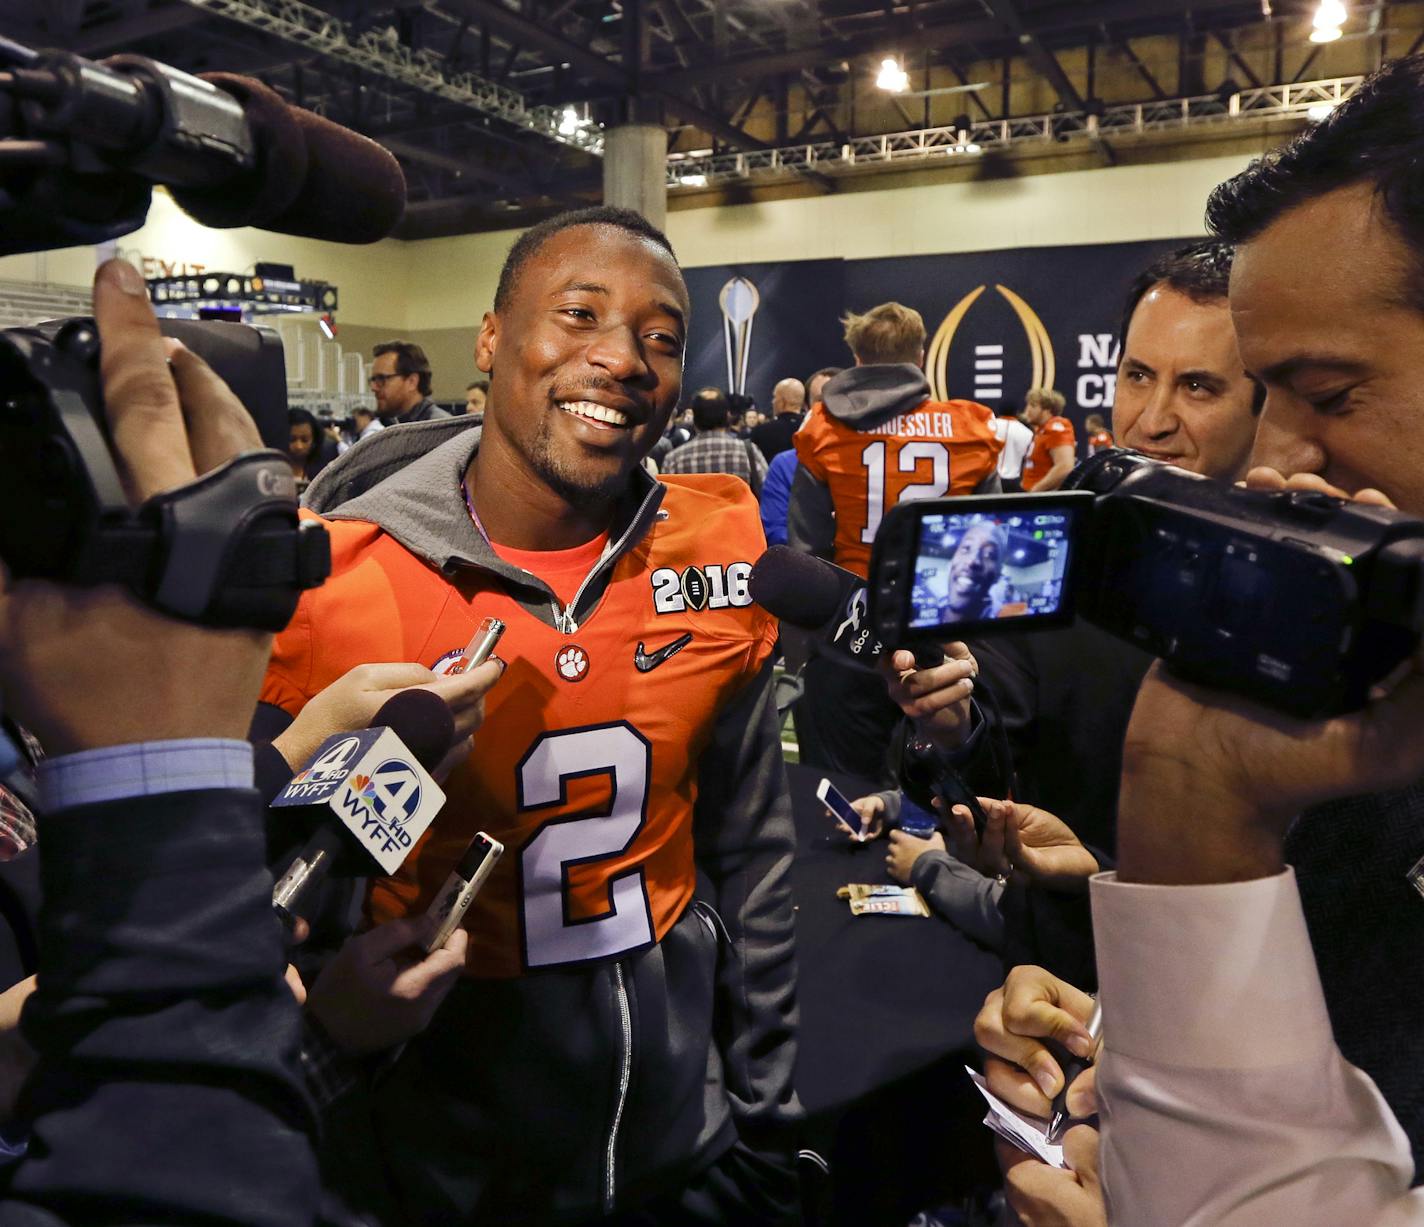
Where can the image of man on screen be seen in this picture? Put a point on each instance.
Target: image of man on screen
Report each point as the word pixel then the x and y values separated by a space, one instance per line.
pixel 974 569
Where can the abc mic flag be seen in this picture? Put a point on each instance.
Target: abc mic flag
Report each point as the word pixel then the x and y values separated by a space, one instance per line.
pixel 374 786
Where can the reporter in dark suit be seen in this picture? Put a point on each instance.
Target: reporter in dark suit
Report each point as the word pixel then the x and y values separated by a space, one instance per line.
pixel 167 1087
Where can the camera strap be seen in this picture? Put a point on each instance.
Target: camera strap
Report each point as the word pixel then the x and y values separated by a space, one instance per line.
pixel 225 550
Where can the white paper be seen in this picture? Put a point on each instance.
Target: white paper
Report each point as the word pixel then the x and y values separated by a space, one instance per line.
pixel 1028 1133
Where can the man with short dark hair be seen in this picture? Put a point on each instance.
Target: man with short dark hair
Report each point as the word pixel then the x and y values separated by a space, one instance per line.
pixel 1066 695
pixel 715 449
pixel 1329 315
pixel 400 380
pixel 615 1047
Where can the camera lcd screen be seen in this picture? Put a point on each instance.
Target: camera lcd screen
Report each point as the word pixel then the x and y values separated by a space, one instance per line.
pixel 982 566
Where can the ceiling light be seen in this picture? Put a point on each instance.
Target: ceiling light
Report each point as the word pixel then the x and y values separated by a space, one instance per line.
pixel 892 77
pixel 692 180
pixel 1329 17
pixel 1321 110
pixel 570 122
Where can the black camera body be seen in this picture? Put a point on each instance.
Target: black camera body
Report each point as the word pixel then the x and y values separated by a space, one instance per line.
pixel 1296 600
pixel 226 550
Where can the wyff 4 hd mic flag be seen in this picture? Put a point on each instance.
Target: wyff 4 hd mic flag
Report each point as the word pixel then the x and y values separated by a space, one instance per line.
pixel 373 784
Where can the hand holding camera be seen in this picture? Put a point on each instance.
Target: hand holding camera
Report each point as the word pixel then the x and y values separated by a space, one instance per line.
pixel 88 667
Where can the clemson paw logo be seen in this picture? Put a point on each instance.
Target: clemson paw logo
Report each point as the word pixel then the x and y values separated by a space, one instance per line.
pixel 572 663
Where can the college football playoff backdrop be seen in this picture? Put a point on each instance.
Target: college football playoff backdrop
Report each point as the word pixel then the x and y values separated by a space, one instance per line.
pixel 999 322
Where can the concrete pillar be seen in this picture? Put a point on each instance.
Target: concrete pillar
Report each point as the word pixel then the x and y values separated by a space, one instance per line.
pixel 635 170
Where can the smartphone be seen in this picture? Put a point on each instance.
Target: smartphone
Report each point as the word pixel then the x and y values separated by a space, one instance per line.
pixel 481 646
pixel 834 800
pixel 454 898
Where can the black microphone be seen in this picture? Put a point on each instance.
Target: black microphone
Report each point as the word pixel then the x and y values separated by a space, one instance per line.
pixel 834 605
pixel 829 601
pixel 230 149
pixel 369 795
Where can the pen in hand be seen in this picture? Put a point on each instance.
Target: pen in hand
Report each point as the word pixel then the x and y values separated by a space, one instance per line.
pixel 1070 1071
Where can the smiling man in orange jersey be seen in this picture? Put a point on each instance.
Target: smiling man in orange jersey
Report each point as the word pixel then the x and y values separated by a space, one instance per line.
pixel 616 1045
pixel 876 439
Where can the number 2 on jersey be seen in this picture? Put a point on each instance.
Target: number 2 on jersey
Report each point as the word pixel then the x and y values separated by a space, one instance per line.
pixel 910 455
pixel 552 935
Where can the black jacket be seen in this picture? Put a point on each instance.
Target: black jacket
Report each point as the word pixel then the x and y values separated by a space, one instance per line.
pixel 167 1088
pixel 774 435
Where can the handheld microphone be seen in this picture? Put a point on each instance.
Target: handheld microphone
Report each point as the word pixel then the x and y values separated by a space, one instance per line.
pixel 834 605
pixel 370 794
pixel 232 151
pixel 828 601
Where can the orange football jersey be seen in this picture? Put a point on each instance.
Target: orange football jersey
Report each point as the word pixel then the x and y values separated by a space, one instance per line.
pixel 585 767
pixel 1056 432
pixel 938 448
pixel 1100 442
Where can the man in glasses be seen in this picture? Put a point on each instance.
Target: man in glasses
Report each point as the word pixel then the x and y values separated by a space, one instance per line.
pixel 400 379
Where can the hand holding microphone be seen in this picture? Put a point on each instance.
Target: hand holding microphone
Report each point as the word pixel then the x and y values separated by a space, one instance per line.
pixel 930 685
pixel 366 797
pixel 352 701
pixel 936 697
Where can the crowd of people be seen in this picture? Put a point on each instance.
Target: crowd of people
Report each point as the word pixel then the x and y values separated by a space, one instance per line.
pixel 610 1035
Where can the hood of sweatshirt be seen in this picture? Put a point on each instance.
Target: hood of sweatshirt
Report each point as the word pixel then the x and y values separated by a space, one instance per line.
pixel 864 396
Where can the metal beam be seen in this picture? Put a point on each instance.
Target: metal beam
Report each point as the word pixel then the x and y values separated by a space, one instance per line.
pixel 932 35
pixel 713 125
pixel 307 26
pixel 1007 11
pixel 120 35
pixel 1125 46
pixel 528 34
pixel 1228 44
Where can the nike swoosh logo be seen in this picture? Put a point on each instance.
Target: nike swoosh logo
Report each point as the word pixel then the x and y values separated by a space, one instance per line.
pixel 645 661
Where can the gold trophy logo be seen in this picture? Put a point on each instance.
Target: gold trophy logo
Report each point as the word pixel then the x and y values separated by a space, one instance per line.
pixel 1040 347
pixel 739 300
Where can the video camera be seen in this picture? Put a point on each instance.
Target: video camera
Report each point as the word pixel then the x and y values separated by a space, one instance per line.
pixel 1297 600
pixel 81 146
pixel 227 550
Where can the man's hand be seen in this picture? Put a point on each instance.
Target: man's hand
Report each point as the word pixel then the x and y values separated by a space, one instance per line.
pixel 1032 1006
pixel 1044 1196
pixel 1265 478
pixel 1211 782
pixel 352 701
pixel 936 699
pixel 381 989
pixel 90 667
pixel 1033 842
pixel 905 850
